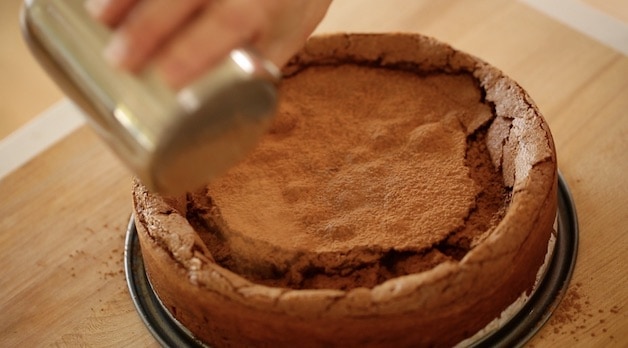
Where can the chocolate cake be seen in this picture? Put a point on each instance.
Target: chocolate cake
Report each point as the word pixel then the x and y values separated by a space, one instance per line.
pixel 405 195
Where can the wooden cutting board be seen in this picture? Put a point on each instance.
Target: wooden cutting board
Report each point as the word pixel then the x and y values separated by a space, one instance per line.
pixel 62 242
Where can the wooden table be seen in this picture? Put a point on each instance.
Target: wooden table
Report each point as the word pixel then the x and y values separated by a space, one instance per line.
pixel 64 213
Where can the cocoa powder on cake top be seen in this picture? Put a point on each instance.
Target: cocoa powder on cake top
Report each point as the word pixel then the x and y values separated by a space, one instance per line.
pixel 366 174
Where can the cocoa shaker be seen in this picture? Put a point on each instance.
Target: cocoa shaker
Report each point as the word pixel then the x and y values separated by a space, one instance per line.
pixel 173 141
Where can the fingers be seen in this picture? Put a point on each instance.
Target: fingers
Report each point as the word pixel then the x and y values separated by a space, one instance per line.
pixel 185 38
pixel 109 12
pixel 147 27
pixel 211 36
pixel 276 28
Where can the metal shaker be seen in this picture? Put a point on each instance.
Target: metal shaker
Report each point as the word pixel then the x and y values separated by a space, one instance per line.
pixel 173 141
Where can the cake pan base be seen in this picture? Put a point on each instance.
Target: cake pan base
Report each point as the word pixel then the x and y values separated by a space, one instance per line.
pixel 515 333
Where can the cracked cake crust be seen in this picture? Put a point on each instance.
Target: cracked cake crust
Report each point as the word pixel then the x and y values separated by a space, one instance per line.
pixel 468 281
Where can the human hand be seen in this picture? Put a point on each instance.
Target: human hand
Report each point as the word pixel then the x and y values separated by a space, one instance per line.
pixel 185 38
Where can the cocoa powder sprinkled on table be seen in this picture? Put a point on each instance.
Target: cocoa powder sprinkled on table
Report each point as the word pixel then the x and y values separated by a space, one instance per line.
pixel 574 313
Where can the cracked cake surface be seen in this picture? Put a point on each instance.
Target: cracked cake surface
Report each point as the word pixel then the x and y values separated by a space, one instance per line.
pixel 407 184
pixel 402 185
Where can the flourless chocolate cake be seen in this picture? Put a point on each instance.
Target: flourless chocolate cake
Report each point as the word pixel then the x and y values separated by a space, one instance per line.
pixel 404 195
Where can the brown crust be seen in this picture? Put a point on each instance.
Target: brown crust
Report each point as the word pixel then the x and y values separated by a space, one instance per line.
pixel 438 307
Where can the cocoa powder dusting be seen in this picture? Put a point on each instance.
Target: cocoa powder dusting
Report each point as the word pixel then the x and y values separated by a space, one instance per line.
pixel 575 313
pixel 366 174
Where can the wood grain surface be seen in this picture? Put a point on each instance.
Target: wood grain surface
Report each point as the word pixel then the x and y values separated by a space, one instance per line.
pixel 64 214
